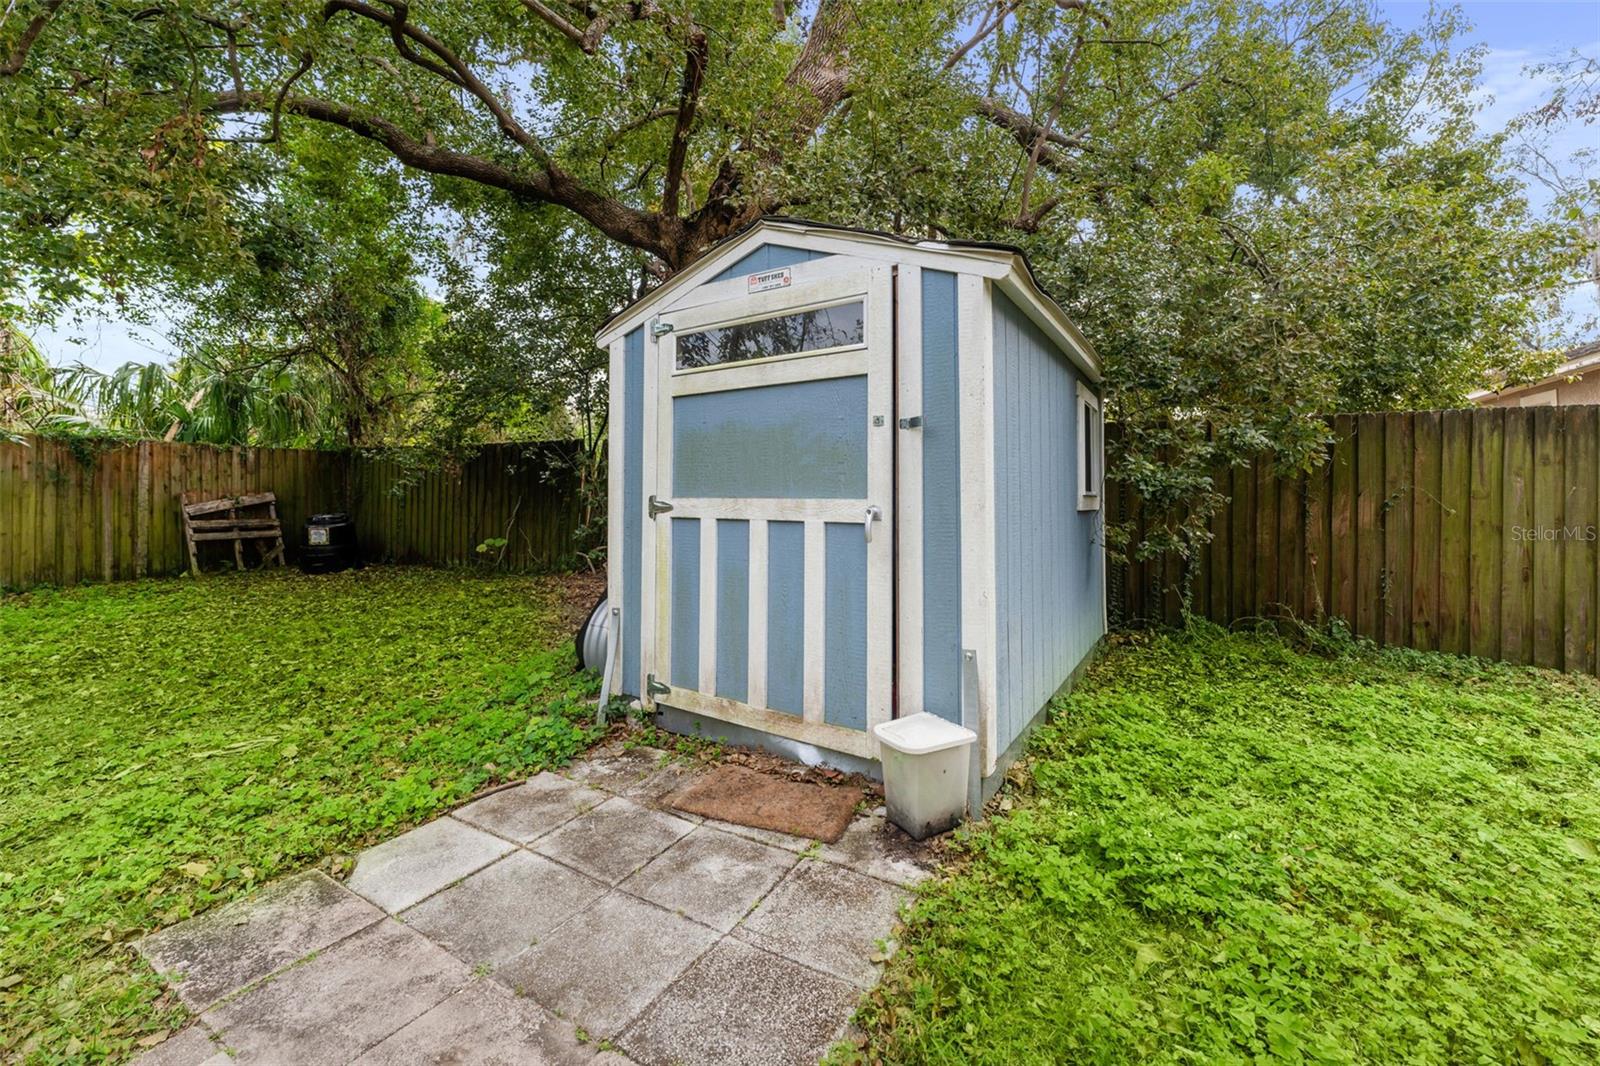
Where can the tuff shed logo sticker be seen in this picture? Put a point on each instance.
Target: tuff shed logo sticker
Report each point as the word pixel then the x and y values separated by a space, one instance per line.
pixel 769 279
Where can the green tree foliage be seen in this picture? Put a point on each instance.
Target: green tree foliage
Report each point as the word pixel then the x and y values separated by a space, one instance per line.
pixel 309 333
pixel 1258 210
pixel 514 357
pixel 30 398
pixel 323 301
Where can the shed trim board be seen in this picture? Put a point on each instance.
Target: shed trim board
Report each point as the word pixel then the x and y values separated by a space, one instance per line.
pixel 616 460
pixel 831 564
pixel 976 370
pixel 908 474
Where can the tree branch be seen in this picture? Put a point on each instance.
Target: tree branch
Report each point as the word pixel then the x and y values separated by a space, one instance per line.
pixel 30 33
pixel 823 67
pixel 624 224
pixel 1028 133
pixel 991 22
pixel 694 74
pixel 445 64
pixel 559 24
pixel 1057 97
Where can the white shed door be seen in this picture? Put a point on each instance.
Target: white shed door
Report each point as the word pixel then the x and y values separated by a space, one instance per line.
pixel 774 565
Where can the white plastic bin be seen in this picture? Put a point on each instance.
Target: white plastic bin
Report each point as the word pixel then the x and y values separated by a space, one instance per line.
pixel 925 761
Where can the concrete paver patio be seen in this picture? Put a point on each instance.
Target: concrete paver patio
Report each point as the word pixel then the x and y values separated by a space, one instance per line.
pixel 570 919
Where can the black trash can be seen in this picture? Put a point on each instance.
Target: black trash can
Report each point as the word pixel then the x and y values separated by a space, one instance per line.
pixel 328 544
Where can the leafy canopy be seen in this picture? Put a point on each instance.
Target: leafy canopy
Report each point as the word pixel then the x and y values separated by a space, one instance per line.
pixel 1257 210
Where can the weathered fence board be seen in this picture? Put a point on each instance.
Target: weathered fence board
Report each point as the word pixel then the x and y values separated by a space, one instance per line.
pixel 73 511
pixel 1468 531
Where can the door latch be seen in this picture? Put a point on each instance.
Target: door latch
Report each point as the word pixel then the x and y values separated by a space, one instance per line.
pixel 658 506
pixel 654 688
pixel 914 422
pixel 873 514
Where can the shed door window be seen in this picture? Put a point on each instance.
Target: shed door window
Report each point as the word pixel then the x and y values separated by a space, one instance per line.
pixel 790 334
pixel 1091 452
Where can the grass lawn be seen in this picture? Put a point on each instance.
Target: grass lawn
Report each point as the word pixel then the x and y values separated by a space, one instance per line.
pixel 168 745
pixel 1222 850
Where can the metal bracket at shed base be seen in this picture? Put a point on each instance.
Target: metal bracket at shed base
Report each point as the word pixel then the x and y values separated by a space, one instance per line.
pixel 653 688
pixel 658 507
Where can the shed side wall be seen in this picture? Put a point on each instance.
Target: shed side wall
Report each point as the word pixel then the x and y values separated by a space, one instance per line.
pixel 941 498
pixel 632 475
pixel 1048 554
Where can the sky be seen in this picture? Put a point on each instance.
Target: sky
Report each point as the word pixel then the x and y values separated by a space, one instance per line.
pixel 1516 32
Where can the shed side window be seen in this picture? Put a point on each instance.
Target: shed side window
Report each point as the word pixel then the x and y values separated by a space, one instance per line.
pixel 1091 450
pixel 790 334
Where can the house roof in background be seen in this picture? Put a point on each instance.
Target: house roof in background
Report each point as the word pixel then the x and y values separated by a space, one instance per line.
pixel 1577 360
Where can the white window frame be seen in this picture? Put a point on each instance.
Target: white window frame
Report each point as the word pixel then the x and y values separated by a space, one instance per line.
pixel 779 312
pixel 1089 484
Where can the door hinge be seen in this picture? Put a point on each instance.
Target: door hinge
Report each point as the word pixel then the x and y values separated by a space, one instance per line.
pixel 914 422
pixel 652 687
pixel 658 507
pixel 659 328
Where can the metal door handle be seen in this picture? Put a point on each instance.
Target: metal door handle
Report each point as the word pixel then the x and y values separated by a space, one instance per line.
pixel 873 514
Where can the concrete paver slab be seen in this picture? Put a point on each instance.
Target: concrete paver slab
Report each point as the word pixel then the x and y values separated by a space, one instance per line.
pixel 877 848
pixel 192 1047
pixel 826 917
pixel 614 839
pixel 531 810
pixel 223 950
pixel 656 786
pixel 415 865
pixel 484 1024
pixel 606 965
pixel 334 1006
pixel 503 908
pixel 711 876
pixel 617 767
pixel 770 837
pixel 739 1004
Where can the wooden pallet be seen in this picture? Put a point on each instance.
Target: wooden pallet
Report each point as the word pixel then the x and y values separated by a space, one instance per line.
pixel 251 517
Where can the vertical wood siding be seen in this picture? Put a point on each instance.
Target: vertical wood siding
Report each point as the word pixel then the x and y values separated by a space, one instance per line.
pixel 786 605
pixel 686 602
pixel 941 499
pixel 733 608
pixel 845 604
pixel 72 512
pixel 1470 531
pixel 767 257
pixel 1048 555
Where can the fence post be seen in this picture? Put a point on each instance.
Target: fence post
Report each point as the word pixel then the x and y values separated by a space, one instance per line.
pixel 141 519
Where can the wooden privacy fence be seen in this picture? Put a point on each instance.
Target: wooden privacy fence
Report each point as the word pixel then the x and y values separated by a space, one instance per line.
pixel 75 511
pixel 1470 531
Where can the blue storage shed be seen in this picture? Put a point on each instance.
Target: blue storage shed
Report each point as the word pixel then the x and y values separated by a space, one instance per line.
pixel 853 477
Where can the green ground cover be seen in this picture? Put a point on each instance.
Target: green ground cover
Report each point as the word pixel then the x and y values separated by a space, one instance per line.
pixel 1222 850
pixel 168 745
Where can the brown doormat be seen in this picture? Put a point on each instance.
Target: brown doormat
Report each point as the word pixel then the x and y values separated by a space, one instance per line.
pixel 762 801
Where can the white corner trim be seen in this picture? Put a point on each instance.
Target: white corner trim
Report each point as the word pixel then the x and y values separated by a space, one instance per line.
pixel 616 450
pixel 979 624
